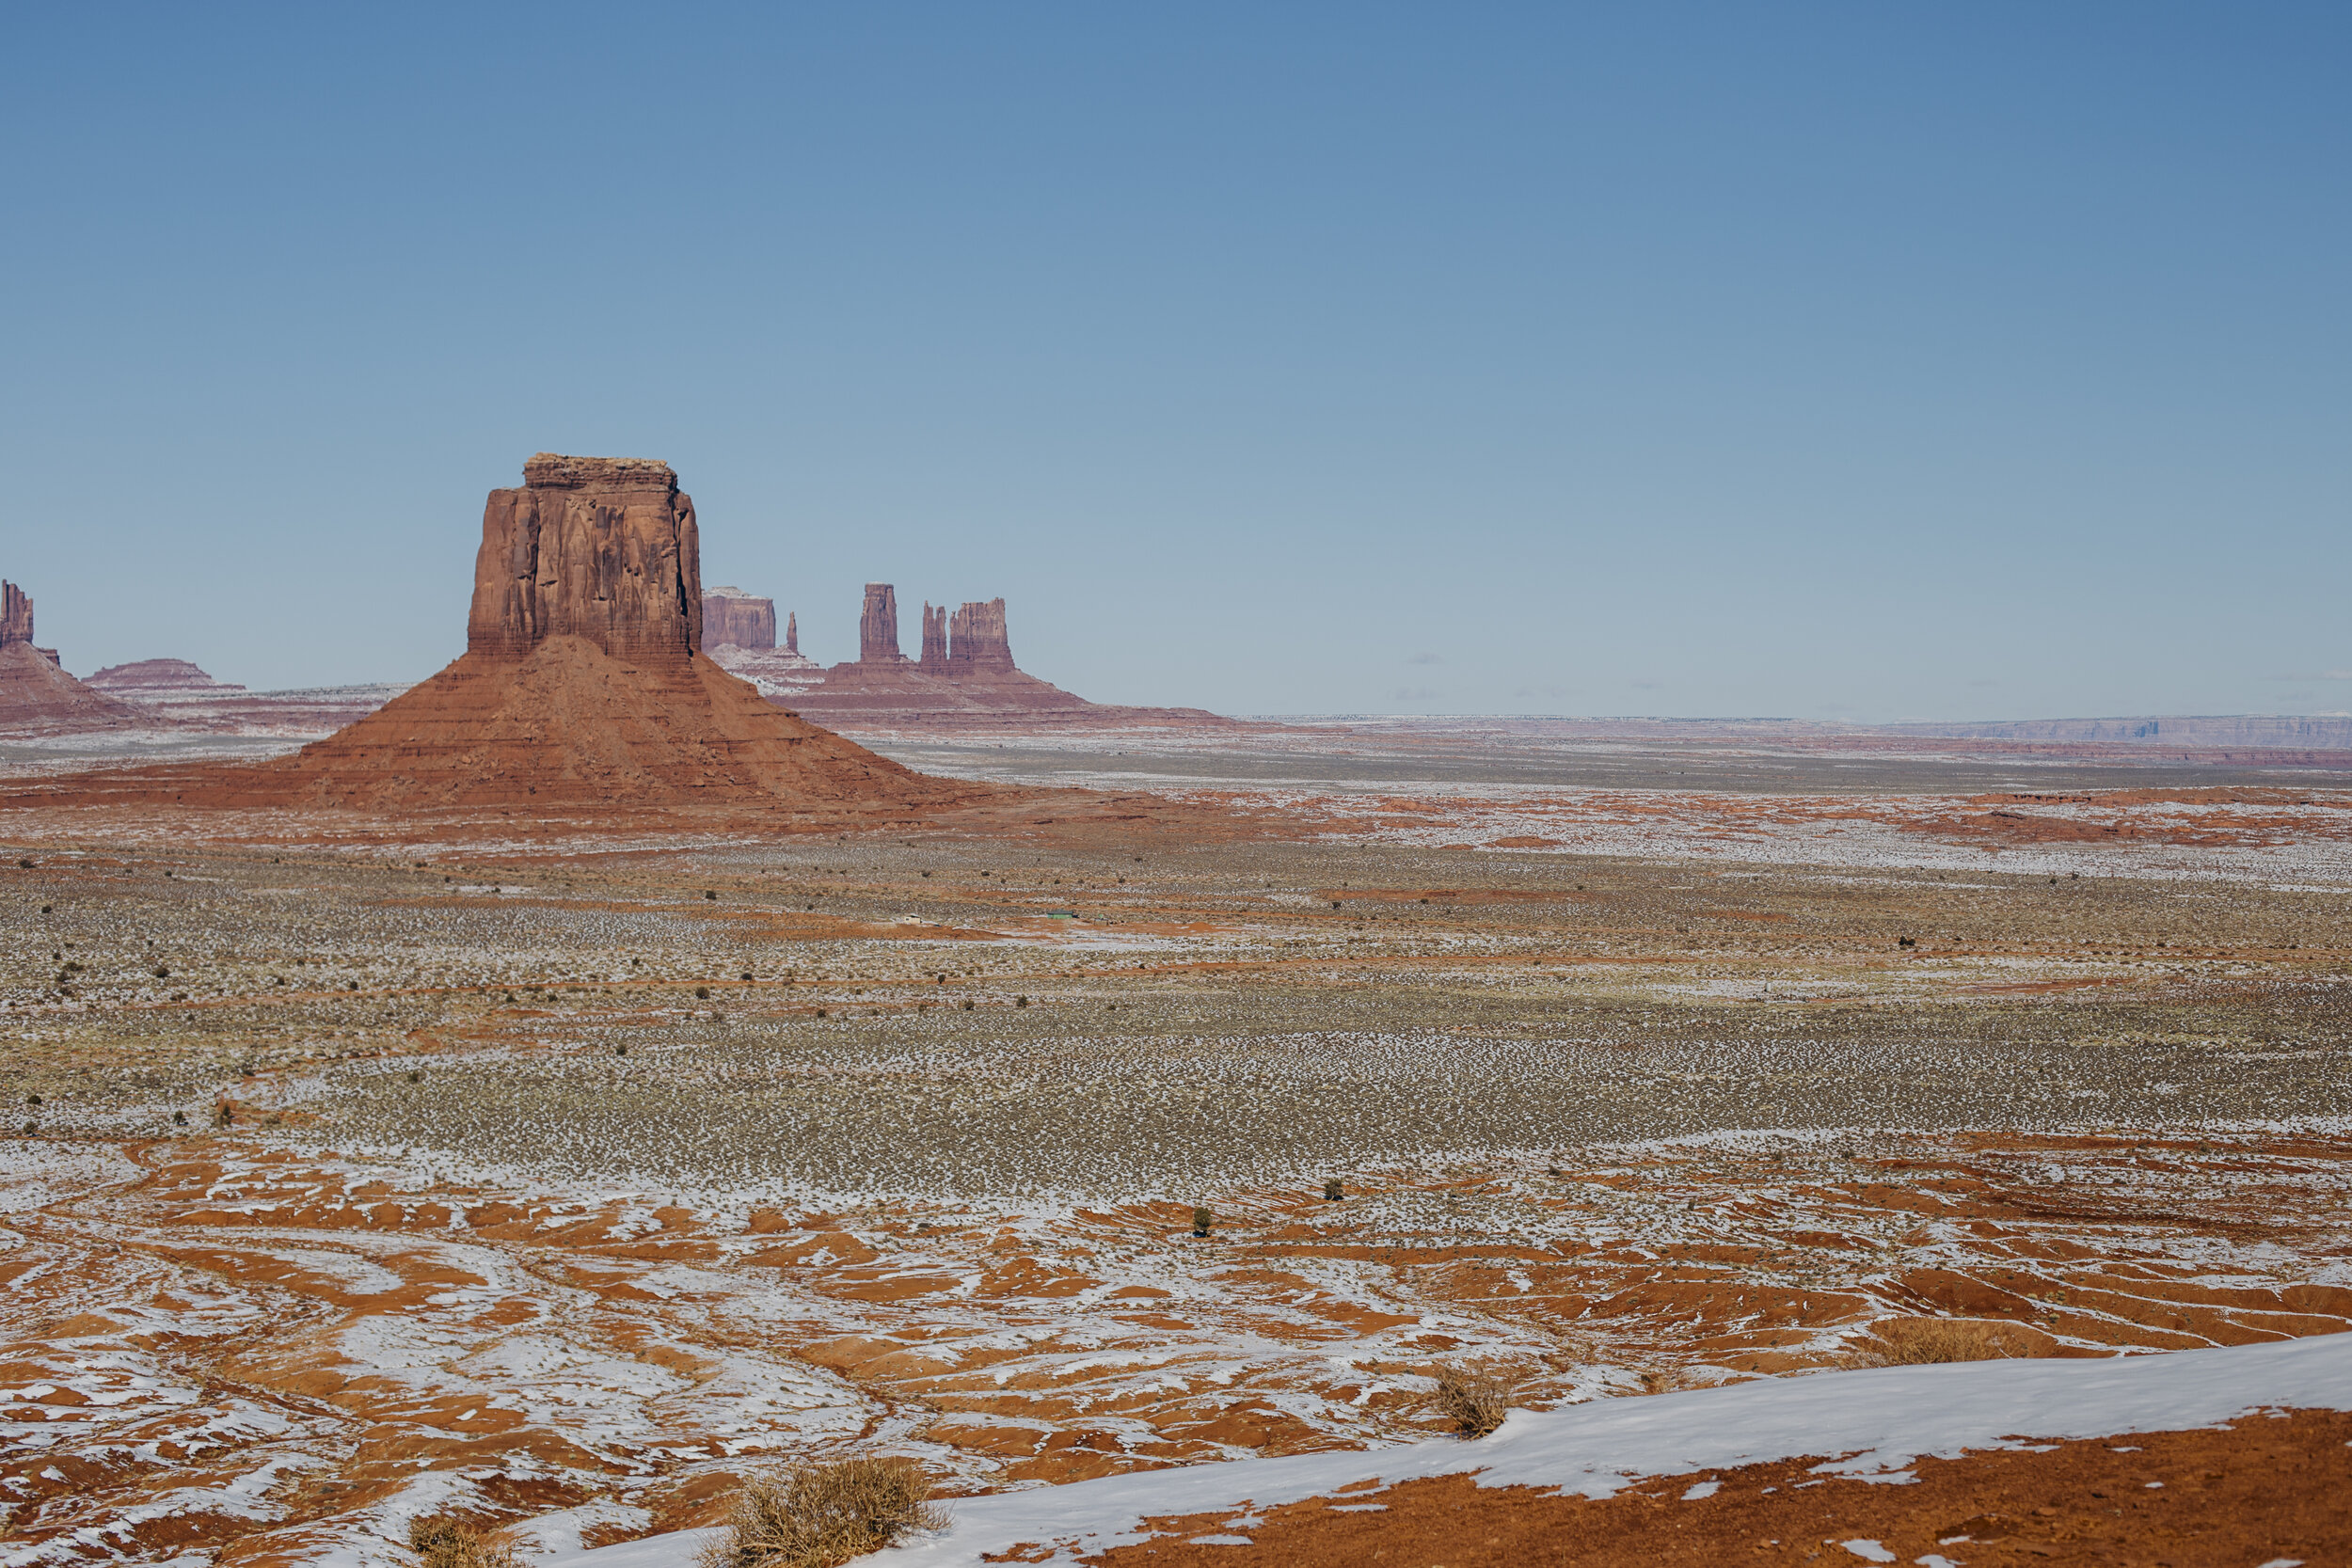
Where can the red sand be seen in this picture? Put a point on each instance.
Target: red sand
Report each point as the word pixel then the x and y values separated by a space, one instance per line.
pixel 2267 1489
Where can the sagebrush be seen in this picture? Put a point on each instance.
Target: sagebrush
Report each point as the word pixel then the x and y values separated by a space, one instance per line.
pixel 823 1514
pixel 445 1542
pixel 1919 1342
pixel 1475 1399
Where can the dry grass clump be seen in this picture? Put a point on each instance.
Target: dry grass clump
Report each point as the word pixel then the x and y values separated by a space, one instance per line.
pixel 1475 1399
pixel 824 1515
pixel 1918 1341
pixel 445 1542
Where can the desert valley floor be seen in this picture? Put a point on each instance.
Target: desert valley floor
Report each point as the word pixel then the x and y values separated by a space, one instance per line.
pixel 558 1178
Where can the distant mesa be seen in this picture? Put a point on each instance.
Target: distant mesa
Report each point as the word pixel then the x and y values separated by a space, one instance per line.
pixel 740 631
pixel 733 617
pixel 186 697
pixel 150 679
pixel 37 696
pixel 583 685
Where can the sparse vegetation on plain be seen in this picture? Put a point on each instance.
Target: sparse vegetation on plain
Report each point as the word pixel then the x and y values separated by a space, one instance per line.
pixel 1624 1123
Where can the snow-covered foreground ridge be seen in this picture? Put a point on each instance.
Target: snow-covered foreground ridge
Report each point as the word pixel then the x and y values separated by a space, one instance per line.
pixel 1871 1424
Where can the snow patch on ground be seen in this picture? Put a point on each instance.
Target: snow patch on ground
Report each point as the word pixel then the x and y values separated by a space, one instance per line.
pixel 1873 1421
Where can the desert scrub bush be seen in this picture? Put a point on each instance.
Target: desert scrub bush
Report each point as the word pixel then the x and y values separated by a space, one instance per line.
pixel 823 1514
pixel 1918 1341
pixel 1474 1400
pixel 453 1544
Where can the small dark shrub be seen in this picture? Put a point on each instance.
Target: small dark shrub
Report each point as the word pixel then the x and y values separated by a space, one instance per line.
pixel 1201 1221
pixel 1332 1192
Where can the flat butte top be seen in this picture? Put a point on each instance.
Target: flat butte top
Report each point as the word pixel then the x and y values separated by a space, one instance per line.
pixel 548 469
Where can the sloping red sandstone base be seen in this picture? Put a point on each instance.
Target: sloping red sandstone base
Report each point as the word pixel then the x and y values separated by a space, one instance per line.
pixel 36 695
pixel 569 725
pixel 567 728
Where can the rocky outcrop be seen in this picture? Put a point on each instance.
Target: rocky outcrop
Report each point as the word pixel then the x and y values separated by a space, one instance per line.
pixel 791 634
pixel 732 618
pixel 965 677
pixel 37 696
pixel 601 548
pixel 878 627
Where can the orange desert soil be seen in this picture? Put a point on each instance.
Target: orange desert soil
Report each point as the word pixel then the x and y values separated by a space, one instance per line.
pixel 2269 1488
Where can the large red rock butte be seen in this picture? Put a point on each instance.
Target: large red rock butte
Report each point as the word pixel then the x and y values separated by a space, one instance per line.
pixel 584 686
pixel 37 696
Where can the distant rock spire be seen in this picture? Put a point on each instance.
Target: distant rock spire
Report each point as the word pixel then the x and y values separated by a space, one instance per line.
pixel 877 627
pixel 934 639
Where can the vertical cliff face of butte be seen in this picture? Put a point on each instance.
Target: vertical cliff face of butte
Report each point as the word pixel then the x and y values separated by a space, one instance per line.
pixel 980 639
pixel 602 549
pixel 583 684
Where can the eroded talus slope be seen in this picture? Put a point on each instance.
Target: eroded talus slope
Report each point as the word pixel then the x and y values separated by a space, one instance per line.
pixel 570 724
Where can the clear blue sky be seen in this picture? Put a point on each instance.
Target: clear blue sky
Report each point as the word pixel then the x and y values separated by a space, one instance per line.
pixel 1871 360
